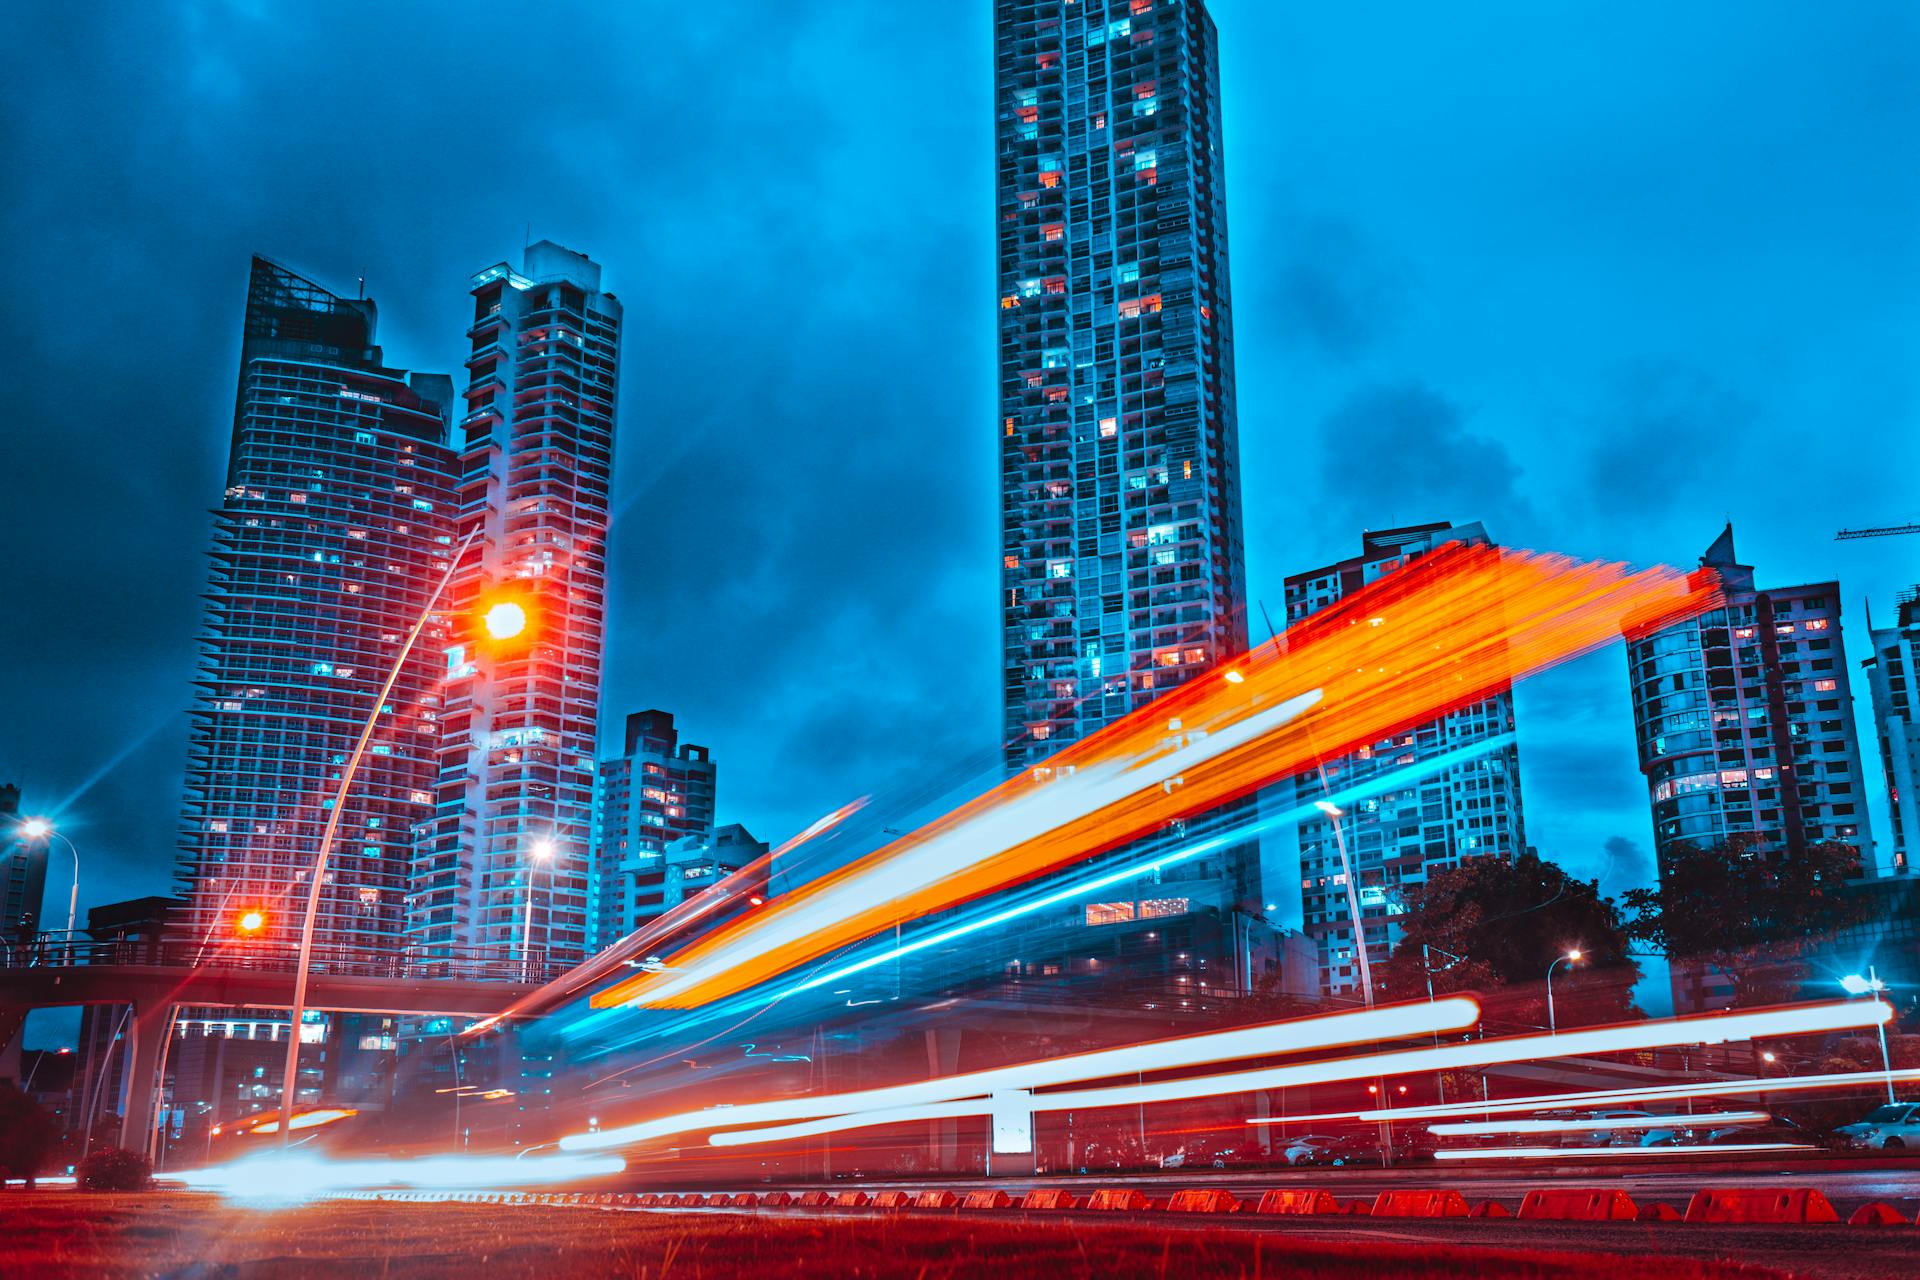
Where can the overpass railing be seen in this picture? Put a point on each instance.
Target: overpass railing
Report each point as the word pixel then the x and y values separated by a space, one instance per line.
pixel 471 964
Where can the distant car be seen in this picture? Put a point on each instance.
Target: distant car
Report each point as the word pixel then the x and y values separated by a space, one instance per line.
pixel 1890 1126
pixel 1310 1148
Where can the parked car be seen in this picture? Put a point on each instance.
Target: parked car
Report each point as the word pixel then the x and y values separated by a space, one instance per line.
pixel 1310 1148
pixel 1890 1126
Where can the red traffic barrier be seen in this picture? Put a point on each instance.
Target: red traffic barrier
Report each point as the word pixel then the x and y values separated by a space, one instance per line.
pixel 853 1200
pixel 1198 1201
pixel 776 1199
pixel 986 1200
pixel 647 1199
pixel 1658 1211
pixel 1489 1209
pixel 1877 1215
pixel 814 1200
pixel 1049 1198
pixel 1419 1204
pixel 1761 1204
pixel 891 1199
pixel 741 1200
pixel 719 1200
pixel 1118 1198
pixel 1579 1204
pixel 1298 1202
pixel 935 1199
pixel 1357 1208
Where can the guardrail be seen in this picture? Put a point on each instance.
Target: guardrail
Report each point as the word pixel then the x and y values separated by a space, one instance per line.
pixel 472 964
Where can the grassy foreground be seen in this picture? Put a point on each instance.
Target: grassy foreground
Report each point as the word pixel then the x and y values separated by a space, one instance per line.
pixel 185 1237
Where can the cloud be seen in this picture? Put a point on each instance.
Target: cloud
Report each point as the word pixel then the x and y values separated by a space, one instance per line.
pixel 1400 453
pixel 1657 421
pixel 1337 293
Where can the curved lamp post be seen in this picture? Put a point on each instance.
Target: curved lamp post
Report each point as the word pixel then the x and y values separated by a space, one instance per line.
pixel 539 852
pixel 289 1084
pixel 1571 958
pixel 42 829
pixel 1855 985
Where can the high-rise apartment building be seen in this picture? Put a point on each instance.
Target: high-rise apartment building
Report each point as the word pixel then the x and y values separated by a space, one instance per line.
pixel 1890 676
pixel 23 872
pixel 656 791
pixel 515 794
pixel 1122 563
pixel 1745 719
pixel 1396 839
pixel 336 522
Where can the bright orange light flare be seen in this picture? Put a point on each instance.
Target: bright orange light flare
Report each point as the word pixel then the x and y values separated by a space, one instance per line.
pixel 306 1119
pixel 505 620
pixel 251 921
pixel 1454 627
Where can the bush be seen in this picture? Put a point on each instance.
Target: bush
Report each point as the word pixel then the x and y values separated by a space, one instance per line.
pixel 27 1135
pixel 114 1169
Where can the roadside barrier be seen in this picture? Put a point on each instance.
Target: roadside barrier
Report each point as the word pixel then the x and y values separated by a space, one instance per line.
pixel 648 1199
pixel 1108 1198
pixel 1357 1208
pixel 1658 1211
pixel 814 1200
pixel 1419 1204
pixel 1579 1204
pixel 852 1200
pixel 986 1200
pixel 1202 1201
pixel 776 1199
pixel 719 1200
pixel 1049 1198
pixel 1489 1209
pixel 1759 1204
pixel 741 1200
pixel 1298 1202
pixel 1877 1215
pixel 891 1199
pixel 935 1199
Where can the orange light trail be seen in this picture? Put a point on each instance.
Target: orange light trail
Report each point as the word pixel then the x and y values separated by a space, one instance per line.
pixel 1454 627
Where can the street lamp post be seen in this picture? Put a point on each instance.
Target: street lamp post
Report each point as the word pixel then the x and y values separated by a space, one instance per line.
pixel 541 851
pixel 1572 957
pixel 1334 814
pixel 1855 985
pixel 42 829
pixel 290 1080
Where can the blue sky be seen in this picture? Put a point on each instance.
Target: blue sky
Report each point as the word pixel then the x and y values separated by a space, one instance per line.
pixel 1602 276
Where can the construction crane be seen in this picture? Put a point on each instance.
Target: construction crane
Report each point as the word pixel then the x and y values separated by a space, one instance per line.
pixel 1884 531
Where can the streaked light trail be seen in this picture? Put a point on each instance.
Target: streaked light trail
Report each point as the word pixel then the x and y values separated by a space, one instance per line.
pixel 1447 630
pixel 298 1175
pixel 1587 1153
pixel 1360 1027
pixel 1709 1120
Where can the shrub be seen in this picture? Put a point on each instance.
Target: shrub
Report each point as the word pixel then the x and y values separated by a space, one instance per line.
pixel 115 1169
pixel 27 1135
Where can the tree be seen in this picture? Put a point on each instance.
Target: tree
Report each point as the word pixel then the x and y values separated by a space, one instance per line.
pixel 1748 913
pixel 1507 921
pixel 27 1135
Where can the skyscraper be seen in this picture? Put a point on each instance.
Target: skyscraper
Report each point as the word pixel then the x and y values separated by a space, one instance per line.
pixel 1122 562
pixel 23 873
pixel 1745 719
pixel 1890 676
pixel 656 791
pixel 336 522
pixel 515 794
pixel 1395 840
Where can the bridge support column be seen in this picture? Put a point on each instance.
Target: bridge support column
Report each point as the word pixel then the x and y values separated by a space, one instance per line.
pixel 146 1038
pixel 12 1023
pixel 943 1138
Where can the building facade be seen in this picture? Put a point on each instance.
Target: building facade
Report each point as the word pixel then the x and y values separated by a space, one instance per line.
pixel 1744 719
pixel 336 521
pixel 514 801
pixel 1397 838
pixel 1890 673
pixel 1122 561
pixel 656 791
pixel 23 873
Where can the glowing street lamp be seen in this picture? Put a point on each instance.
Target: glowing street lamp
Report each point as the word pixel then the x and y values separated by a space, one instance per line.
pixel 505 620
pixel 251 922
pixel 1855 985
pixel 539 852
pixel 1571 958
pixel 42 829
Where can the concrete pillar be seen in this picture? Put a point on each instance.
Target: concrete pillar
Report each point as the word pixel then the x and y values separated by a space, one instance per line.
pixel 146 1037
pixel 943 1137
pixel 12 1022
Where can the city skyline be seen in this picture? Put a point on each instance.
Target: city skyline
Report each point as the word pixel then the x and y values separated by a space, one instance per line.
pixel 1335 298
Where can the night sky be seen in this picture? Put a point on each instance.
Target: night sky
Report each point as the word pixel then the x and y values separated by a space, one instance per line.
pixel 1602 276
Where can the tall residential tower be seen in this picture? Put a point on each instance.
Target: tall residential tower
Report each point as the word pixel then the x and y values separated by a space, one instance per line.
pixel 505 862
pixel 1122 567
pixel 1395 840
pixel 656 791
pixel 1896 718
pixel 337 521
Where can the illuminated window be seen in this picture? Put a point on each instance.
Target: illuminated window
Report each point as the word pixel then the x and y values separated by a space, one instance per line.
pixel 1053 230
pixel 1156 908
pixel 1815 624
pixel 1109 428
pixel 1059 568
pixel 1824 686
pixel 1109 912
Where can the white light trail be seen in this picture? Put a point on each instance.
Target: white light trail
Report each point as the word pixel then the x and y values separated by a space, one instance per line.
pixel 1360 1027
pixel 1584 1153
pixel 1028 816
pixel 1605 1097
pixel 297 1176
pixel 1706 1120
pixel 1705 1029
